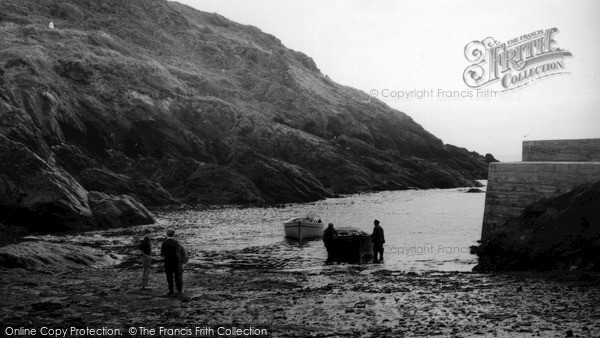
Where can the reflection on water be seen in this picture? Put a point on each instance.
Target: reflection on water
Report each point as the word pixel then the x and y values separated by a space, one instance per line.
pixel 424 230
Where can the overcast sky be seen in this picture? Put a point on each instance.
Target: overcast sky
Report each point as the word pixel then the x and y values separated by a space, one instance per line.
pixel 419 45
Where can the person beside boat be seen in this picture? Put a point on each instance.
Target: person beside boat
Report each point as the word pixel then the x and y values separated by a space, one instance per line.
pixel 329 235
pixel 378 239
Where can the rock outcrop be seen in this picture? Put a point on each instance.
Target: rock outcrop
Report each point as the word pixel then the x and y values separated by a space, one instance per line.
pixel 47 255
pixel 199 182
pixel 119 89
pixel 72 159
pixel 145 191
pixel 118 211
pixel 35 193
pixel 214 184
pixel 561 232
pixel 277 180
pixel 42 197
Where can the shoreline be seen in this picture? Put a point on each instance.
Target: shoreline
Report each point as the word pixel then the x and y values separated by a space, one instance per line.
pixel 11 233
pixel 342 300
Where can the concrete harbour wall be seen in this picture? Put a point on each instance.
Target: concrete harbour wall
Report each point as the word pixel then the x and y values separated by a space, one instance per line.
pixel 584 150
pixel 514 185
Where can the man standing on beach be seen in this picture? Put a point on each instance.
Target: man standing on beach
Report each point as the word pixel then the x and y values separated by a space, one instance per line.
pixel 328 237
pixel 175 256
pixel 378 239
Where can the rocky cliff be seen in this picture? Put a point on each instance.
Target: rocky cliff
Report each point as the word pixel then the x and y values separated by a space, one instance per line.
pixel 161 102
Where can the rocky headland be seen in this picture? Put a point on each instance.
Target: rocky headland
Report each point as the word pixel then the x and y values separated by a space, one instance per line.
pixel 127 104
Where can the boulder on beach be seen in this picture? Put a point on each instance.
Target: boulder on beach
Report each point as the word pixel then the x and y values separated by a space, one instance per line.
pixel 42 255
pixel 557 233
pixel 118 211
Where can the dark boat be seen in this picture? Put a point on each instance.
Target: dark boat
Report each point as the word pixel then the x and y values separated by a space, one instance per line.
pixel 352 245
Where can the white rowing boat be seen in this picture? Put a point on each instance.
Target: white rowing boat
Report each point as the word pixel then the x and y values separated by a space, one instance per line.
pixel 303 227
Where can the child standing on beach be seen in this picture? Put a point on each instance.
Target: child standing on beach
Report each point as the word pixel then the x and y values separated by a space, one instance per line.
pixel 146 251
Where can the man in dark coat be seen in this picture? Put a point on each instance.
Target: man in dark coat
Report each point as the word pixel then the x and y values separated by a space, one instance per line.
pixel 378 239
pixel 329 235
pixel 175 256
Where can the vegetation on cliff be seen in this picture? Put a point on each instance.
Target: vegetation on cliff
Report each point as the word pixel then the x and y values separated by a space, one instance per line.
pixel 562 232
pixel 167 104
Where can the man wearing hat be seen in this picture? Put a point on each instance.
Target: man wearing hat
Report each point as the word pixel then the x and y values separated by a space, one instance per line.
pixel 378 239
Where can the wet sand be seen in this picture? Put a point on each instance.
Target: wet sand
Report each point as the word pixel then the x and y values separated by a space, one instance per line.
pixel 339 300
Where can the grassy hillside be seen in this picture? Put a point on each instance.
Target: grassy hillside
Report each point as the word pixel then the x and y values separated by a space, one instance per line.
pixel 206 108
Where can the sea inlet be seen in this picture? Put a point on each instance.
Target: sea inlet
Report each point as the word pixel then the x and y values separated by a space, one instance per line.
pixel 244 275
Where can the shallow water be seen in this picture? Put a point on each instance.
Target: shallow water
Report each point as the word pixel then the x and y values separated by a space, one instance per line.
pixel 425 230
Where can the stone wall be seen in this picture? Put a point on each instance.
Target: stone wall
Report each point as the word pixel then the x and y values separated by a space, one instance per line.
pixel 583 150
pixel 514 185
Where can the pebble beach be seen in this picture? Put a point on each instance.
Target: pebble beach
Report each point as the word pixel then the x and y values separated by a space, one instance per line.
pixel 336 301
